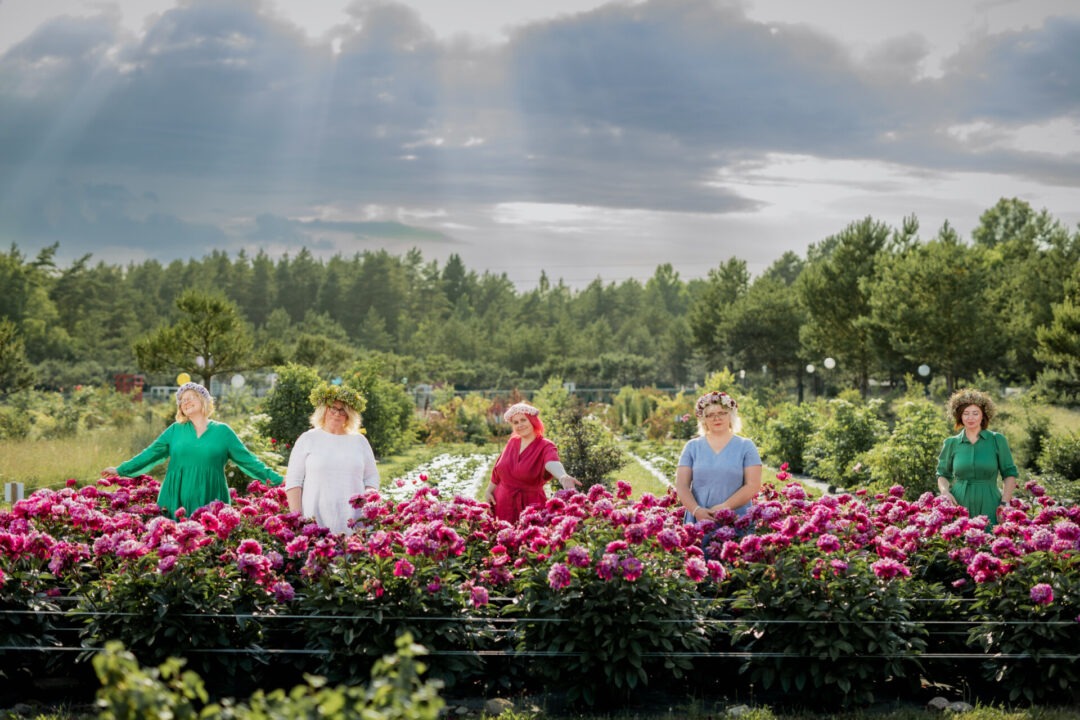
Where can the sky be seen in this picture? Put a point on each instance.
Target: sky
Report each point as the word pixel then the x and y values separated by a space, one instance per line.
pixel 581 138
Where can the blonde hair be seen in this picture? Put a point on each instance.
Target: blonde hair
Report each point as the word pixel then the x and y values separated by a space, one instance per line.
pixel 352 422
pixel 207 406
pixel 733 416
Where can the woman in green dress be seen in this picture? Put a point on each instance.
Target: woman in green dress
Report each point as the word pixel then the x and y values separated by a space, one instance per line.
pixel 971 460
pixel 197 449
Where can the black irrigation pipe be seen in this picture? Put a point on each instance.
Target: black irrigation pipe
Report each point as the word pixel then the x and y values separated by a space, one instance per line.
pixel 75 614
pixel 562 654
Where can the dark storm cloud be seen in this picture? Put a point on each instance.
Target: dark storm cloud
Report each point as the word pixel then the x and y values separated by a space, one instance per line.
pixel 1024 76
pixel 223 105
pixel 87 217
pixel 273 229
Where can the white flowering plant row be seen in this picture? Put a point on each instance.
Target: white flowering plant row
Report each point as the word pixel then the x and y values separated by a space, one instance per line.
pixel 453 475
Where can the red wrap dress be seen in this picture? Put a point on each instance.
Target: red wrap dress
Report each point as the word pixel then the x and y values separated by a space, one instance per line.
pixel 519 476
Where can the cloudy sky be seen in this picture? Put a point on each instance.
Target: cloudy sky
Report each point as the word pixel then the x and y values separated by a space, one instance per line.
pixel 585 138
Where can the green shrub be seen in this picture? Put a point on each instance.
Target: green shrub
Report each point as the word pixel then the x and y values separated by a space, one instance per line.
pixel 1033 644
pixel 833 450
pixel 388 417
pixel 27 620
pixel 1036 429
pixel 288 406
pixel 784 437
pixel 822 636
pixel 1060 457
pixel 460 420
pixel 14 423
pixel 587 448
pixel 672 417
pixel 619 636
pixel 197 609
pixel 167 692
pixel 631 408
pixel 908 457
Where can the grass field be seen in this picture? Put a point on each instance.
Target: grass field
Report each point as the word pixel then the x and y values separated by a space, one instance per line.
pixel 48 463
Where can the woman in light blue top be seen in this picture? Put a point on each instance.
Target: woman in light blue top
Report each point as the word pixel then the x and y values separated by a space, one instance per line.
pixel 718 470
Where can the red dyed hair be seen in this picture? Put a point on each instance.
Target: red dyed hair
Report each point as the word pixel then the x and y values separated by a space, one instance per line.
pixel 537 423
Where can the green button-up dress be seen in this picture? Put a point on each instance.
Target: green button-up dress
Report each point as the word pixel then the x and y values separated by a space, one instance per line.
pixel 972 470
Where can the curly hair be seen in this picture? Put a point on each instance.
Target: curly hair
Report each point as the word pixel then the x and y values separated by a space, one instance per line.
pixel 965 398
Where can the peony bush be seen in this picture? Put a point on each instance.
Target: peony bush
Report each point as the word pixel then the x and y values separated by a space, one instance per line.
pixel 838 601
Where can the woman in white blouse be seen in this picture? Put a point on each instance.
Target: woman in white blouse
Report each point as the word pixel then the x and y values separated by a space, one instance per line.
pixel 332 462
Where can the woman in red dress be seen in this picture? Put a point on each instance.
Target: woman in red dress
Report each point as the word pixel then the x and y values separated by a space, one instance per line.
pixel 526 463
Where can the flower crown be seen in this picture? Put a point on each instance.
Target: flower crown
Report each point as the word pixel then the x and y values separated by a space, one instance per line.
pixel 715 398
pixel 519 408
pixel 327 394
pixel 192 386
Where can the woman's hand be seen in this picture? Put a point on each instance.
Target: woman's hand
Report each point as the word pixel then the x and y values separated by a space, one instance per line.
pixel 568 481
pixel 109 472
pixel 703 513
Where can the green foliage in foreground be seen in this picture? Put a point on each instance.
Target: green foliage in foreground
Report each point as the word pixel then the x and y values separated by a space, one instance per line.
pixel 396 692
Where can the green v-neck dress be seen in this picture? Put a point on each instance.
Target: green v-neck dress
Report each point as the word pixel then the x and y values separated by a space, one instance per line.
pixel 196 473
pixel 972 470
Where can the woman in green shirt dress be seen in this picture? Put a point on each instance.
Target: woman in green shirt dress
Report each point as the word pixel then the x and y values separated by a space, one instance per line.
pixel 197 449
pixel 971 460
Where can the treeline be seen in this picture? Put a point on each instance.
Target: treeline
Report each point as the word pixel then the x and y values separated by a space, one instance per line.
pixel 879 300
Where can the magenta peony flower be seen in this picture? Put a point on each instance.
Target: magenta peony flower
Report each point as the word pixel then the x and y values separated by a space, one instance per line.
pixel 166 564
pixel 828 543
pixel 631 568
pixel 984 567
pixel 403 568
pixel 717 573
pixel 616 546
pixel 695 568
pixel 578 556
pixel 887 568
pixel 1042 594
pixel 283 591
pixel 668 539
pixel 479 596
pixel 635 533
pixel 559 576
pixel 605 569
pixel 622 489
pixel 249 546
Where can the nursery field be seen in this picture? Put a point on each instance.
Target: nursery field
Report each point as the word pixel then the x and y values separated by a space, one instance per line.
pixel 846 604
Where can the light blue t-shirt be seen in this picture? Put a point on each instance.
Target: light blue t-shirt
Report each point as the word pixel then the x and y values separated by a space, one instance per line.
pixel 716 476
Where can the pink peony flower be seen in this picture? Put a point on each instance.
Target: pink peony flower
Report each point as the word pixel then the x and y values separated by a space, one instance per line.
pixel 283 591
pixel 559 576
pixel 605 569
pixel 578 556
pixel 403 568
pixel 631 568
pixel 668 539
pixel 828 543
pixel 1042 594
pixel 695 568
pixel 887 568
pixel 249 546
pixel 479 596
